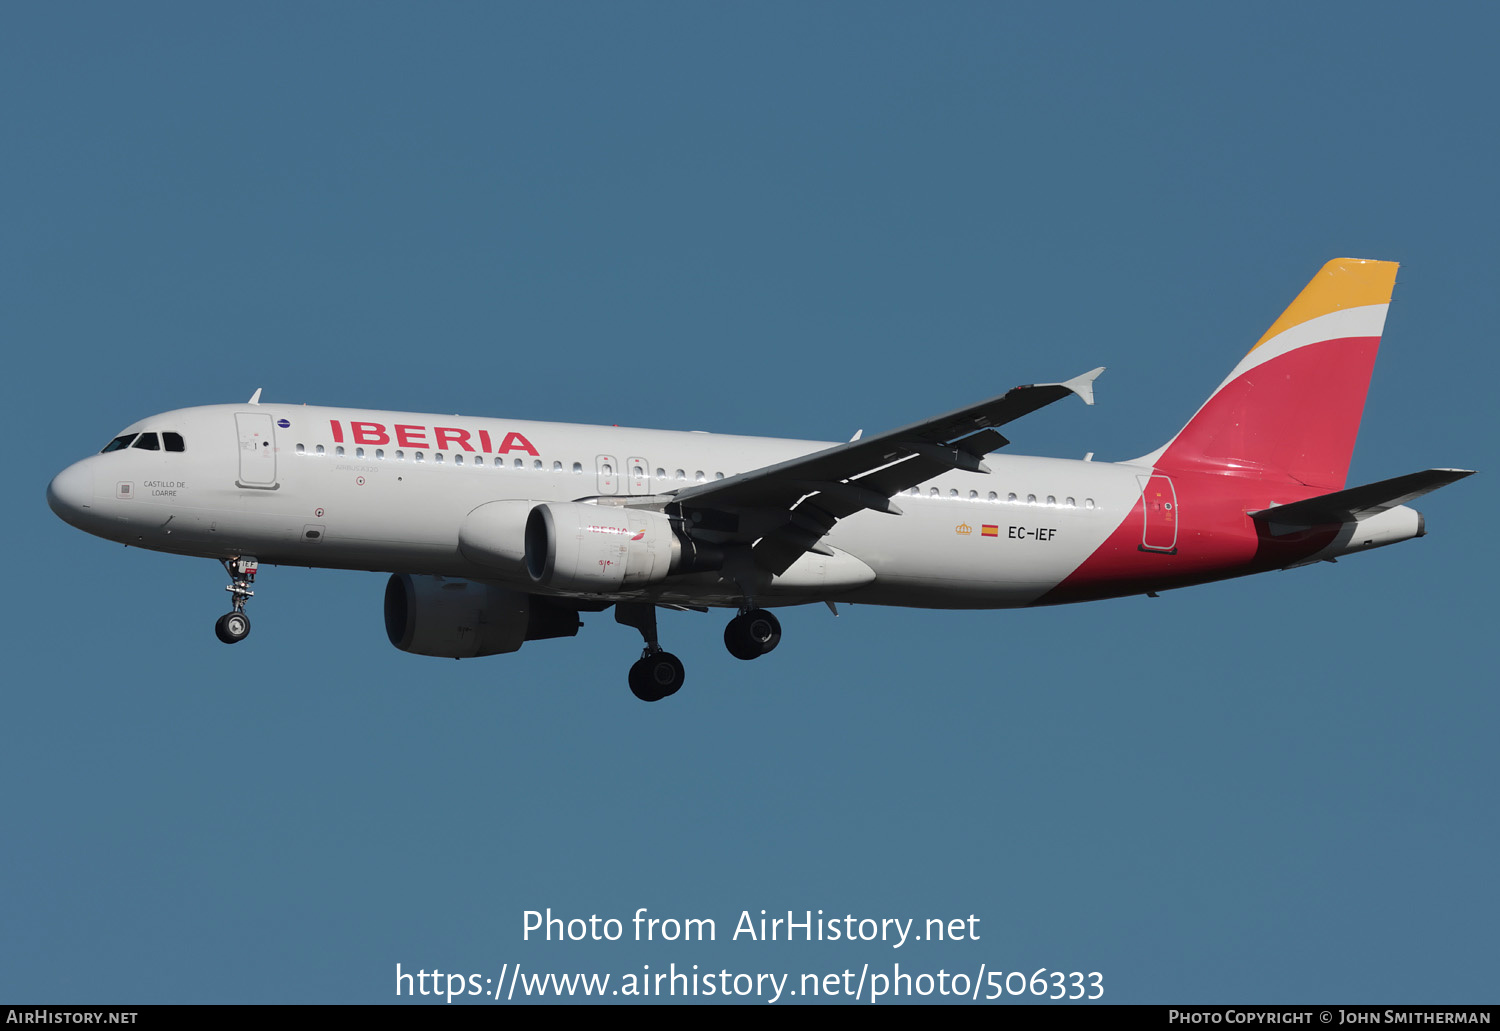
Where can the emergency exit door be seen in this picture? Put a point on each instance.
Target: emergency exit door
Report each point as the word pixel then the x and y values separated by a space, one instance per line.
pixel 608 471
pixel 638 476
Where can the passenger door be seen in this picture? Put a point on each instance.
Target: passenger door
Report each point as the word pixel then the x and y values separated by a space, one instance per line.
pixel 257 435
pixel 1159 532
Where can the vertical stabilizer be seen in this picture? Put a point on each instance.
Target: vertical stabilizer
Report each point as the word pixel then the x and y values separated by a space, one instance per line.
pixel 1291 408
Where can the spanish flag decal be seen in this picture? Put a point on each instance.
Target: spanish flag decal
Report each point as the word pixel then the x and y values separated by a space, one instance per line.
pixel 989 531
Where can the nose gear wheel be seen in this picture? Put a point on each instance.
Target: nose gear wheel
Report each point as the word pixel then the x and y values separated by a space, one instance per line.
pixel 232 627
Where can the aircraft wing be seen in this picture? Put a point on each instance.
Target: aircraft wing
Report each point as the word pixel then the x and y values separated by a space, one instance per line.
pixel 785 509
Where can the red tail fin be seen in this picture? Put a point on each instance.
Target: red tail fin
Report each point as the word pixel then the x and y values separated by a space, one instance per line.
pixel 1291 408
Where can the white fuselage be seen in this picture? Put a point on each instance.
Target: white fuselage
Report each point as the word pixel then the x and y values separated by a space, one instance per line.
pixel 389 491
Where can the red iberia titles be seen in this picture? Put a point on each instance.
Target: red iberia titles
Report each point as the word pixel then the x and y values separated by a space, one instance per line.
pixel 438 438
pixel 618 531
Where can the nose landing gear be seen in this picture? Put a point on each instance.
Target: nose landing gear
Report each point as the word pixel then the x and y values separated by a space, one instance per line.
pixel 234 626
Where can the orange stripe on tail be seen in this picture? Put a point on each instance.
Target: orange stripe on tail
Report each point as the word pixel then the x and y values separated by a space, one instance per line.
pixel 1342 283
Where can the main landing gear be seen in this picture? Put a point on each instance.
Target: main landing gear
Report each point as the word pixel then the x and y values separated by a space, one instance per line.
pixel 752 633
pixel 657 674
pixel 233 627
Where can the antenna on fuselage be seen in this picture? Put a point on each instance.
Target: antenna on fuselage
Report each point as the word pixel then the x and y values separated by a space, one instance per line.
pixel 255 397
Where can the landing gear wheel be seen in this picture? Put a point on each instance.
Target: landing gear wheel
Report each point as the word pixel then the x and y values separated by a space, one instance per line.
pixel 752 634
pixel 738 642
pixel 656 676
pixel 233 627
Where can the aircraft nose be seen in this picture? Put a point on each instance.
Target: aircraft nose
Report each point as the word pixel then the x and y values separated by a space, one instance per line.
pixel 71 492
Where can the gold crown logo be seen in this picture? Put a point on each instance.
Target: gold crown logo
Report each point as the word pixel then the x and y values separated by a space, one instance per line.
pixel 963 529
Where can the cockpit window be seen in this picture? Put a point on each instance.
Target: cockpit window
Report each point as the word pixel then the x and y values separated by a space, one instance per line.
pixel 147 442
pixel 118 443
pixel 173 441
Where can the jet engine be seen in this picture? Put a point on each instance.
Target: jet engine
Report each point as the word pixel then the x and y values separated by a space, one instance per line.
pixel 577 547
pixel 462 619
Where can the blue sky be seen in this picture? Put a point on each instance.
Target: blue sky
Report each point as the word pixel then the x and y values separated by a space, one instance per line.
pixel 789 219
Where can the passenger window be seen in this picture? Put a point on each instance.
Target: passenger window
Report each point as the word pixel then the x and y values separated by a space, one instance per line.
pixel 339 451
pixel 359 452
pixel 320 449
pixel 147 442
pixel 1071 503
pixel 933 492
pixel 118 443
pixel 380 453
pixel 478 459
pixel 718 476
pixel 301 450
pixel 1010 498
pixel 1051 501
pixel 578 467
pixel 557 467
pixel 173 442
pixel 993 496
pixel 698 475
pixel 973 495
pixel 1088 503
pixel 458 459
pixel 438 457
pixel 1031 499
pixel 400 455
pixel 661 474
pixel 682 474
pixel 537 464
pixel 416 456
pixel 520 464
pixel 953 493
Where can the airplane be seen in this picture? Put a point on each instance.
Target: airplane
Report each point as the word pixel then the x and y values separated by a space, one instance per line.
pixel 496 532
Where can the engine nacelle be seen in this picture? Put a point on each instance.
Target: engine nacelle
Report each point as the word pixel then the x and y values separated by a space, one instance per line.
pixel 494 535
pixel 461 619
pixel 577 547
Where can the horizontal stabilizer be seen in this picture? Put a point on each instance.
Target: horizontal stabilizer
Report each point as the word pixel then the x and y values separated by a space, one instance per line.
pixel 1356 503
